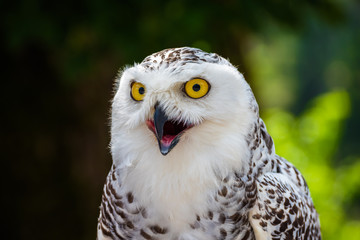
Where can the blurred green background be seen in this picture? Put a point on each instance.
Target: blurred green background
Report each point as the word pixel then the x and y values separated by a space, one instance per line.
pixel 59 59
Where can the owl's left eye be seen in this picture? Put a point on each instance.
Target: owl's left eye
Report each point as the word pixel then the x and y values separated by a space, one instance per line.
pixel 138 91
pixel 197 88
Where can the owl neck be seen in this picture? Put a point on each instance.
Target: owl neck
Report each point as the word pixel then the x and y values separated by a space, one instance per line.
pixel 262 149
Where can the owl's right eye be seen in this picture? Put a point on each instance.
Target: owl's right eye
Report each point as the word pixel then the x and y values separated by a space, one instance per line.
pixel 137 91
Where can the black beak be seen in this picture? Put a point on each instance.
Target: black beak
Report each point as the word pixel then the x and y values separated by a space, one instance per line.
pixel 160 119
pixel 167 132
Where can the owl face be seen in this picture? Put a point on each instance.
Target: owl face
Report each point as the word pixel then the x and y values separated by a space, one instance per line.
pixel 180 99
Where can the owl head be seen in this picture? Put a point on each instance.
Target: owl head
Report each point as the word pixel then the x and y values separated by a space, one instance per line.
pixel 179 101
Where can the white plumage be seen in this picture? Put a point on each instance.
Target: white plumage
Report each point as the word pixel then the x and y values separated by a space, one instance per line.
pixel 189 167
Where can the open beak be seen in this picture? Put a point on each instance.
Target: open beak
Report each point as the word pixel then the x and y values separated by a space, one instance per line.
pixel 167 132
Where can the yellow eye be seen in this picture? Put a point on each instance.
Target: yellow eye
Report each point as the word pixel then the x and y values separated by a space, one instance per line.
pixel 137 91
pixel 197 88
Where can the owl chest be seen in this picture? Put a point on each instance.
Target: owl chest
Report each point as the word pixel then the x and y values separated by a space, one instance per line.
pixel 222 214
pixel 218 211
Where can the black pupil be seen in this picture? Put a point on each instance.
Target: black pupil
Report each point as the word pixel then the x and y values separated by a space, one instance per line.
pixel 196 87
pixel 141 90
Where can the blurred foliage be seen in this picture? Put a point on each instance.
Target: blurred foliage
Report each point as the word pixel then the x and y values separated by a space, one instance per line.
pixel 302 59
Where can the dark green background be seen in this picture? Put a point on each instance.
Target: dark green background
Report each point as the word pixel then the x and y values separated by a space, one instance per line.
pixel 59 59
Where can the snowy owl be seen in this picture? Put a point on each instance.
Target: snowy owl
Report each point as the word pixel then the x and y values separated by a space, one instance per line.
pixel 192 158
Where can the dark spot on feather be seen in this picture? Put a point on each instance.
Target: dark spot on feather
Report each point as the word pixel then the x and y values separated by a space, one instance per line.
pixel 130 225
pixel 223 191
pixel 276 221
pixel 283 226
pixel 236 217
pixel 280 214
pixel 222 218
pixel 223 233
pixel 130 197
pixel 286 203
pixel 145 235
pixel 158 230
pixel 263 224
pixel 210 215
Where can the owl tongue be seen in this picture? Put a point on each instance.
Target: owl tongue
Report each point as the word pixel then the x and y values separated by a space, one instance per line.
pixel 170 131
pixel 167 140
